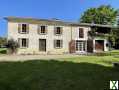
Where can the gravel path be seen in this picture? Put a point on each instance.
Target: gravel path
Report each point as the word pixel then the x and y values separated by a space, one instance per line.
pixel 31 57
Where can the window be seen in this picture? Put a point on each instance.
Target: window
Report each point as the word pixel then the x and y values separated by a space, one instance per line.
pixel 23 28
pixel 80 45
pixel 42 29
pixel 58 30
pixel 81 33
pixel 58 43
pixel 23 42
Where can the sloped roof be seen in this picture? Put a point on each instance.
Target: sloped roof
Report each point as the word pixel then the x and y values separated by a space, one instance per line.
pixel 52 22
pixel 36 21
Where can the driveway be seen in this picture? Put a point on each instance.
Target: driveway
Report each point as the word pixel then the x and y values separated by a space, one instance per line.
pixel 31 57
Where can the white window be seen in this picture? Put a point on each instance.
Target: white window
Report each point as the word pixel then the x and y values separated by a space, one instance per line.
pixel 23 28
pixel 23 42
pixel 42 29
pixel 81 33
pixel 58 30
pixel 80 45
pixel 58 43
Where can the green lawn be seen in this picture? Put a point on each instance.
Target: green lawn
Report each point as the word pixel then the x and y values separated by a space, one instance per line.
pixel 84 73
pixel 3 50
pixel 114 52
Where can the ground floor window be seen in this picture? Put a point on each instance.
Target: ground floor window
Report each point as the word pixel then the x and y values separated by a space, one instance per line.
pixel 80 45
pixel 23 42
pixel 58 43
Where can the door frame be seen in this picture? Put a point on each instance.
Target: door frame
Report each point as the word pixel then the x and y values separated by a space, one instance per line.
pixel 82 45
pixel 102 44
pixel 44 47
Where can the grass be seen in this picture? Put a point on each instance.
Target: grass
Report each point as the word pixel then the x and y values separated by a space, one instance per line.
pixel 109 53
pixel 83 73
pixel 3 50
pixel 114 52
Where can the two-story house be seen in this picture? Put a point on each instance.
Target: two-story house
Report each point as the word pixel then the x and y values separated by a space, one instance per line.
pixel 43 36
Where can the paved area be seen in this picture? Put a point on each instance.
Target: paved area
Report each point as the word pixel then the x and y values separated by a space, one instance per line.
pixel 31 57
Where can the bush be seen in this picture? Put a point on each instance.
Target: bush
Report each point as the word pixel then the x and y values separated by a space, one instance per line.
pixel 12 46
pixel 3 50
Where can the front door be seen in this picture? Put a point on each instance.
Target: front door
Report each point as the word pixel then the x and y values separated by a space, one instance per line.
pixel 99 45
pixel 42 44
pixel 80 46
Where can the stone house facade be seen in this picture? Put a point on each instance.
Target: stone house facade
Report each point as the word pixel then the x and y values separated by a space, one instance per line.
pixel 43 36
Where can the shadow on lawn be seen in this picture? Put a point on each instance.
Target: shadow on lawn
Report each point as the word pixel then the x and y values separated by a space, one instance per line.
pixel 55 75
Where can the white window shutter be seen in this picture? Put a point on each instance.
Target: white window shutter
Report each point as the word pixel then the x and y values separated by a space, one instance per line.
pixel 55 30
pixel 19 42
pixel 19 28
pixel 61 43
pixel 39 29
pixel 27 42
pixel 27 28
pixel 54 43
pixel 46 29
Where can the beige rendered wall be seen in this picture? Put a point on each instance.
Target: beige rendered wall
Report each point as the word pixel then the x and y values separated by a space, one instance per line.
pixel 75 33
pixel 34 37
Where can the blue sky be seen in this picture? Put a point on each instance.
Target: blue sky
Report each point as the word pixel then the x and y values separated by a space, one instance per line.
pixel 69 10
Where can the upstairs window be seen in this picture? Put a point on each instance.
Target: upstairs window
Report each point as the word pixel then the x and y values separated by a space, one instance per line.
pixel 58 30
pixel 42 29
pixel 58 43
pixel 81 33
pixel 23 28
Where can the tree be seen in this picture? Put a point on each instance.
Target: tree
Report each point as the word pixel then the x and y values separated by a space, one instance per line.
pixel 115 38
pixel 104 14
pixel 12 46
pixel 3 41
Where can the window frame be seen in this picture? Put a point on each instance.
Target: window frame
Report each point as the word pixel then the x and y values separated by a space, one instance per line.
pixel 81 33
pixel 56 30
pixel 20 41
pixel 58 46
pixel 24 28
pixel 20 28
pixel 40 29
pixel 80 46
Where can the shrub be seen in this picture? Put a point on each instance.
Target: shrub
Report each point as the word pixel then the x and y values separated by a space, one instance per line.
pixel 3 51
pixel 12 46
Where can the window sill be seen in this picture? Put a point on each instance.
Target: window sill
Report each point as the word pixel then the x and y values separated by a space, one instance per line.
pixel 42 33
pixel 58 47
pixel 81 38
pixel 58 34
pixel 23 33
pixel 23 47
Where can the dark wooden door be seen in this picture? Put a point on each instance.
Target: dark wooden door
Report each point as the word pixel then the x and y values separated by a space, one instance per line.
pixel 90 45
pixel 99 45
pixel 42 44
pixel 72 48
